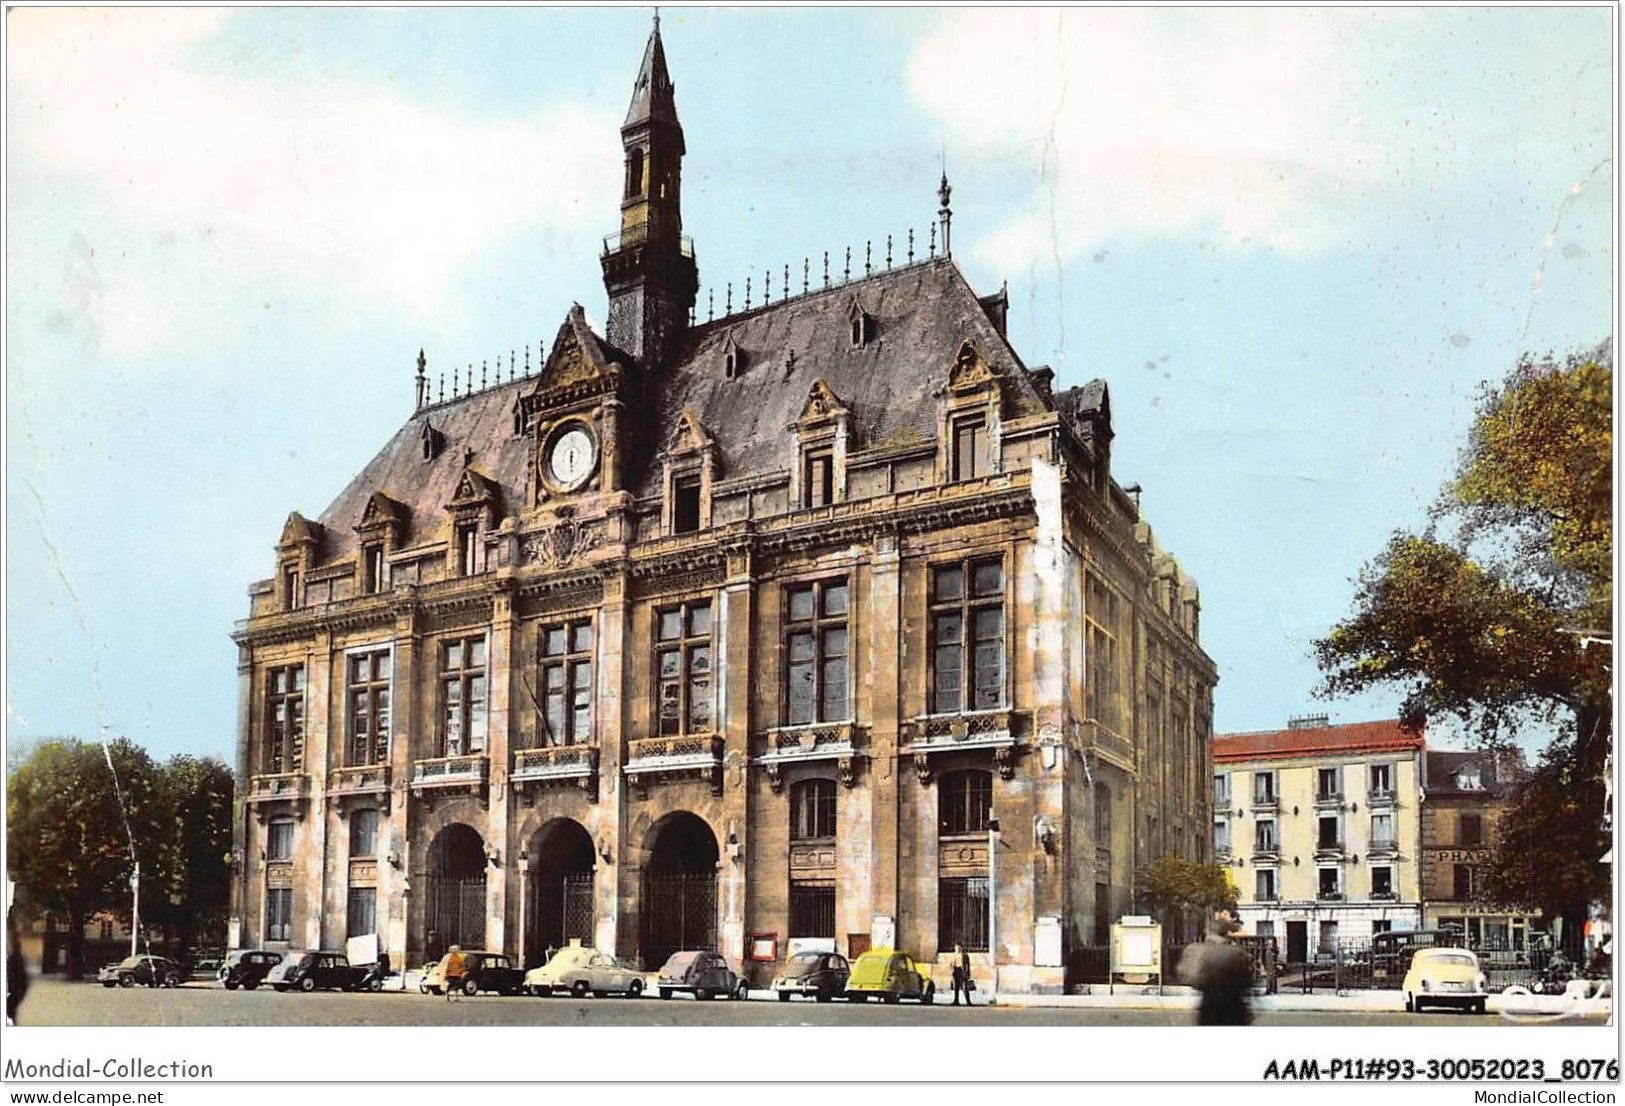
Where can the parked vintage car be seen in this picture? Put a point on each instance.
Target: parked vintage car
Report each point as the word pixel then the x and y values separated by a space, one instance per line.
pixel 491 972
pixel 703 974
pixel 1445 977
pixel 321 971
pixel 247 968
pixel 429 977
pixel 147 970
pixel 582 971
pixel 890 976
pixel 818 975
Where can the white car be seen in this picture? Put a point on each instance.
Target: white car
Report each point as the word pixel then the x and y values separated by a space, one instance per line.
pixel 581 972
pixel 1445 977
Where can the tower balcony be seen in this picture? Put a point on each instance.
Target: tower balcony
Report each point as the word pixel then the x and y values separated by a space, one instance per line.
pixel 639 235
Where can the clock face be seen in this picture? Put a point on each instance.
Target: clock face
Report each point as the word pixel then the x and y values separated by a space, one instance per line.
pixel 572 457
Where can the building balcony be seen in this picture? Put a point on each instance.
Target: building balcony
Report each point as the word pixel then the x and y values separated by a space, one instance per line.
pixel 1384 896
pixel 1379 799
pixel 1324 895
pixel 359 779
pixel 1383 847
pixel 952 733
pixel 1269 897
pixel 1329 850
pixel 1268 854
pixel 554 763
pixel 274 787
pixel 837 741
pixel 1325 799
pixel 469 772
pixel 1110 744
pixel 1266 805
pixel 1221 854
pixel 638 235
pixel 675 755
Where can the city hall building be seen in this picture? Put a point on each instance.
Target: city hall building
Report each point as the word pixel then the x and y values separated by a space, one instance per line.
pixel 729 634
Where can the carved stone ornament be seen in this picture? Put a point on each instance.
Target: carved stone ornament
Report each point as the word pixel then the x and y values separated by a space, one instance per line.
pixel 559 544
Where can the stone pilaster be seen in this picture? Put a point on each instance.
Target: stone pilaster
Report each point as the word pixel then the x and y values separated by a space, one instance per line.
pixel 884 641
pixel 616 928
pixel 502 680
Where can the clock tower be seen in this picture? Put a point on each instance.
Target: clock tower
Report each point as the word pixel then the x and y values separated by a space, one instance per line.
pixel 649 268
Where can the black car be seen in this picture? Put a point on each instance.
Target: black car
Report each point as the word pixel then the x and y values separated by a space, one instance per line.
pixel 247 968
pixel 491 972
pixel 818 975
pixel 322 971
pixel 149 971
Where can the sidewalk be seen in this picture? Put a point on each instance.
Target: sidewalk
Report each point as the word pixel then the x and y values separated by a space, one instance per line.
pixel 1185 998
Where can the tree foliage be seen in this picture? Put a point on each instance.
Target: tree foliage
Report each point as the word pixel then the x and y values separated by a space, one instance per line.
pixel 1547 852
pixel 72 845
pixel 1178 888
pixel 1478 617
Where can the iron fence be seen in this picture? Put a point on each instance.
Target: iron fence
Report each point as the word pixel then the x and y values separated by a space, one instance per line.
pixel 1361 964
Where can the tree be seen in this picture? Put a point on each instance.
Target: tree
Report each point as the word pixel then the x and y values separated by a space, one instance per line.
pixel 1178 888
pixel 193 886
pixel 1547 851
pixel 1497 613
pixel 69 841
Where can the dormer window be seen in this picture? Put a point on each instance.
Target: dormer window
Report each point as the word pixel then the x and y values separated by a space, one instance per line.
pixel 468 549
pixel 970 456
pixel 860 327
pixel 730 364
pixel 1468 779
pixel 373 568
pixel 818 478
pixel 685 507
pixel 432 442
pixel 518 419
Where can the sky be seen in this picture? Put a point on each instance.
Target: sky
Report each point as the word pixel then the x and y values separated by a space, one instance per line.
pixel 1294 241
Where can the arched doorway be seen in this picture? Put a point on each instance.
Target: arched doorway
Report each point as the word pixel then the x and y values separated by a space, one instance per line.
pixel 680 888
pixel 456 889
pixel 558 894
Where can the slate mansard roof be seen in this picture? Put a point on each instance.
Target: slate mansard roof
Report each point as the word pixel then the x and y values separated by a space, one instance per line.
pixel 918 317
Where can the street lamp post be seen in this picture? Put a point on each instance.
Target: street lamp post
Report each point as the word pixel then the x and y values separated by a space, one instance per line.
pixel 993 907
pixel 135 906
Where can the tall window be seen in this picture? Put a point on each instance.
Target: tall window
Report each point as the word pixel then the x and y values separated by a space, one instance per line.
pixel 1264 885
pixel 1328 786
pixel 970 458
pixel 818 478
pixel 962 914
pixel 967 637
pixel 1328 883
pixel 468 549
pixel 462 696
pixel 1328 936
pixel 1264 787
pixel 685 507
pixel 812 810
pixel 1221 789
pixel 279 840
pixel 369 708
pixel 278 913
pixel 1221 836
pixel 1264 838
pixel 1382 779
pixel 966 801
pixel 361 912
pixel 364 832
pixel 683 663
pixel 816 651
pixel 1103 815
pixel 566 660
pixel 285 707
pixel 290 587
pixel 1382 882
pixel 1102 699
pixel 634 173
pixel 1328 836
pixel 1382 831
pixel 373 568
pixel 812 909
pixel 1472 829
pixel 1463 889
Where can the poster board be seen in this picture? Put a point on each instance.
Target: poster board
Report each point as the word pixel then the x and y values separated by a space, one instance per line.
pixel 1136 951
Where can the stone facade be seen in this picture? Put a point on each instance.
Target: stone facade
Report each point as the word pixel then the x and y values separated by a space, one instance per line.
pixel 1321 825
pixel 734 634
pixel 1467 793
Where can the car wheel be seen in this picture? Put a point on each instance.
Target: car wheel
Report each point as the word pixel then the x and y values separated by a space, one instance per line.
pixel 471 987
pixel 742 991
pixel 1410 1005
pixel 1481 1006
pixel 579 988
pixel 930 995
pixel 822 997
pixel 249 985
pixel 172 980
pixel 857 998
pixel 665 992
pixel 634 989
pixel 126 980
pixel 231 984
pixel 109 983
pixel 279 986
pixel 307 984
pixel 701 994
pixel 784 996
pixel 893 1000
pixel 423 988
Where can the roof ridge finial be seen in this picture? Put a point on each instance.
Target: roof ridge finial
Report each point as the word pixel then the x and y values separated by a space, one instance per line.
pixel 945 213
pixel 657 19
pixel 422 381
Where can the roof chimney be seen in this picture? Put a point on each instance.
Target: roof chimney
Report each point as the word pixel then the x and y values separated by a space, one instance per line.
pixel 1308 722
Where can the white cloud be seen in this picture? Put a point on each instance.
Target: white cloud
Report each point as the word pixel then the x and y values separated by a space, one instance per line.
pixel 1278 127
pixel 347 183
